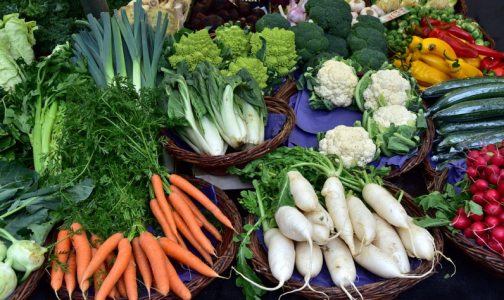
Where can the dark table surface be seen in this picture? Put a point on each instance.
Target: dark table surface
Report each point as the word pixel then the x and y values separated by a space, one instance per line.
pixel 469 282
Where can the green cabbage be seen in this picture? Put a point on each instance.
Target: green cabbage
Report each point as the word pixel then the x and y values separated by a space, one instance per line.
pixel 20 37
pixel 10 74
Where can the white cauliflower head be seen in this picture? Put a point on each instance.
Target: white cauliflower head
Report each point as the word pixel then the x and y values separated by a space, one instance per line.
pixel 337 83
pixel 399 115
pixel 391 85
pixel 352 144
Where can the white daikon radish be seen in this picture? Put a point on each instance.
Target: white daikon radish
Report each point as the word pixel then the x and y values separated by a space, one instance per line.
pixel 337 207
pixel 341 266
pixel 388 241
pixel 303 258
pixel 281 255
pixel 423 242
pixel 321 217
pixel 362 220
pixel 379 263
pixel 302 191
pixel 321 234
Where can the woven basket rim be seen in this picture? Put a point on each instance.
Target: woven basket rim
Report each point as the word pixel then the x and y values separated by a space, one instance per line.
pixel 385 289
pixel 225 252
pixel 274 105
pixel 23 291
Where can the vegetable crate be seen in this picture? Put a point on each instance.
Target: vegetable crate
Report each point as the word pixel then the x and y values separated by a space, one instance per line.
pixel 28 286
pixel 380 290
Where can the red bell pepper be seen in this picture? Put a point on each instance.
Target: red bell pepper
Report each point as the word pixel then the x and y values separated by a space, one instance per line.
pixel 460 48
pixel 455 30
pixel 489 63
pixel 482 50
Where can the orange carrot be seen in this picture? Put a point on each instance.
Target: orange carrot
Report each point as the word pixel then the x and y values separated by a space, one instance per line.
pixel 190 189
pixel 143 264
pixel 186 257
pixel 121 263
pixel 187 233
pixel 197 213
pixel 107 247
pixel 155 255
pixel 157 184
pixel 121 287
pixel 82 255
pixel 129 277
pixel 186 213
pixel 61 250
pixel 95 241
pixel 100 273
pixel 158 214
pixel 70 281
pixel 176 284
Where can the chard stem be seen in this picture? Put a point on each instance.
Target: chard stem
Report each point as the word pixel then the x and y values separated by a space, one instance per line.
pixel 17 209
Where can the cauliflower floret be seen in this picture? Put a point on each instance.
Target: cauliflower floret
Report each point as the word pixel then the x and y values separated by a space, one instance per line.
pixel 352 144
pixel 391 85
pixel 337 83
pixel 396 114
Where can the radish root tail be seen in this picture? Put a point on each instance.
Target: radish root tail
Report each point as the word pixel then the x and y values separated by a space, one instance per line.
pixel 357 290
pixel 280 284
pixel 346 292
pixel 448 259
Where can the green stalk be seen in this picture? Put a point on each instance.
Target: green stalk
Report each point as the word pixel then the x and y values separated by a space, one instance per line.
pixel 262 214
pixel 118 49
pixel 47 127
pixel 37 128
pixel 17 209
pixel 408 142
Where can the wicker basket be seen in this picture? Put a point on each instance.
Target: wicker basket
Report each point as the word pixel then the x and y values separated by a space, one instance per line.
pixel 226 250
pixel 28 286
pixel 382 290
pixel 216 165
pixel 426 145
pixel 286 91
pixel 434 180
pixel 484 259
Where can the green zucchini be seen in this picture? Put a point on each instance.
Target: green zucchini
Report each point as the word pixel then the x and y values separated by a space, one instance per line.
pixel 444 165
pixel 481 91
pixel 447 156
pixel 483 124
pixel 454 139
pixel 477 142
pixel 472 110
pixel 447 86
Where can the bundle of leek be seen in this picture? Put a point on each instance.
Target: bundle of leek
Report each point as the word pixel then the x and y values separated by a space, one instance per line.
pixel 102 45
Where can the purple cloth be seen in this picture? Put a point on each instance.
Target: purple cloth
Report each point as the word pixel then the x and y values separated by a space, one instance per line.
pixel 324 278
pixel 456 170
pixel 310 122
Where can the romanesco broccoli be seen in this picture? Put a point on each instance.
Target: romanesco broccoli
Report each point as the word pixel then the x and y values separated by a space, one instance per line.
pixel 280 49
pixel 253 65
pixel 196 48
pixel 235 38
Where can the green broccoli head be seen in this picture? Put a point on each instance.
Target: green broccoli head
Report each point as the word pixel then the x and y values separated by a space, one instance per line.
pixel 271 21
pixel 334 16
pixel 253 65
pixel 370 22
pixel 310 39
pixel 337 46
pixel 369 59
pixel 235 38
pixel 317 60
pixel 362 38
pixel 280 49
pixel 194 49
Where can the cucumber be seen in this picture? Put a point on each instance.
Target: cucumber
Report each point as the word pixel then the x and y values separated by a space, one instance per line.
pixel 477 142
pixel 447 128
pixel 447 86
pixel 454 139
pixel 472 110
pixel 481 91
pixel 447 156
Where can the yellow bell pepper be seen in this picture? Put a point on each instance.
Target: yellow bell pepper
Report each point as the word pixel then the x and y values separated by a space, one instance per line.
pixel 475 62
pixel 415 41
pixel 416 55
pixel 427 74
pixel 470 70
pixel 437 47
pixel 436 62
pixel 460 69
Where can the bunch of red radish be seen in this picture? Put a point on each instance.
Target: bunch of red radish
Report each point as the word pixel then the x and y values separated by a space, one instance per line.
pixel 485 168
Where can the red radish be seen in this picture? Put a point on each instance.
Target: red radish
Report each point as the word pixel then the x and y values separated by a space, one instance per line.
pixel 461 222
pixel 501 173
pixel 481 184
pixel 492 221
pixel 491 169
pixel 501 217
pixel 473 190
pixel 469 233
pixel 476 218
pixel 461 211
pixel 492 195
pixel 472 172
pixel 500 188
pixel 479 197
pixel 501 151
pixel 478 228
pixel 482 240
pixel 480 163
pixel 492 208
pixel 494 178
pixel 487 157
pixel 491 148
pixel 484 174
pixel 473 155
pixel 497 160
pixel 495 245
pixel 501 200
pixel 498 234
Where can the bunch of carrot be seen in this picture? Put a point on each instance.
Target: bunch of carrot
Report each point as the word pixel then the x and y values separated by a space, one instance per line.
pixel 115 275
